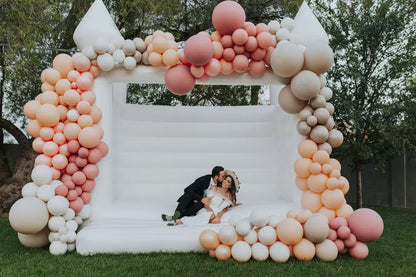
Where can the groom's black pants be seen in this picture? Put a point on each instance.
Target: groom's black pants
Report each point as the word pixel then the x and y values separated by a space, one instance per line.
pixel 188 206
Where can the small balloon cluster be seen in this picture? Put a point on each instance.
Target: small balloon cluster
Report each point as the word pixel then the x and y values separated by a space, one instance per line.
pixel 119 53
pixel 64 121
pixel 302 235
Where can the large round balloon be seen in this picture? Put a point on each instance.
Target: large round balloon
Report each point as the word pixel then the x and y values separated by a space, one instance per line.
pixel 366 224
pixel 179 80
pixel 28 215
pixel 198 50
pixel 227 17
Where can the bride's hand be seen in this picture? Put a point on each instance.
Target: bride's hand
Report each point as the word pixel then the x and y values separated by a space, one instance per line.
pixel 238 204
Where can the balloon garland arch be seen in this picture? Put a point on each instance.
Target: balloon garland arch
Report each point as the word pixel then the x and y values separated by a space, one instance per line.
pixel 64 121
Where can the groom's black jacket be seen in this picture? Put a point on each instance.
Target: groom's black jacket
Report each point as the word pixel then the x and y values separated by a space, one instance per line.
pixel 197 188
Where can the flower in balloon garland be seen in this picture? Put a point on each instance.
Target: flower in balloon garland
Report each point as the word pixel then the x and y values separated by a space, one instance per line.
pixel 161 49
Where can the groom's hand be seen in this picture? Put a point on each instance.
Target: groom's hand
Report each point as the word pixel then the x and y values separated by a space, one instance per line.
pixel 206 201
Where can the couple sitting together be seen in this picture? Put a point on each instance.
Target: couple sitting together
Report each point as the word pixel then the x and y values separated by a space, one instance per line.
pixel 206 199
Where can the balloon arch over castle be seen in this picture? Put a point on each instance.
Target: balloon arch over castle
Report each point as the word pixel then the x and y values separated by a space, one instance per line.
pixel 106 170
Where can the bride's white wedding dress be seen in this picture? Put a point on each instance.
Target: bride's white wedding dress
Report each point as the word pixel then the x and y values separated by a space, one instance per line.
pixel 218 203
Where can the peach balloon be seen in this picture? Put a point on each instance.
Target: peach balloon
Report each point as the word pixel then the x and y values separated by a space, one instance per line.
pixel 257 68
pixel 223 252
pixel 95 71
pixel 88 96
pixel 304 250
pixel 289 231
pixel 321 156
pixel 326 168
pixel 85 121
pixel 240 63
pixel 209 239
pixel 345 184
pixel 83 82
pixel 71 131
pixel 303 216
pixel 311 201
pixel 301 167
pixel 292 214
pixel 59 161
pixel 96 114
pixel 81 62
pixel 155 59
pixel 315 168
pixel 33 128
pixel 63 149
pixel 344 211
pixel 45 87
pixel 63 63
pixel 43 159
pixel 335 173
pixel 260 28
pixel 52 76
pixel 89 137
pixel 72 97
pixel 197 71
pixel 55 173
pixel 229 54
pixel 47 115
pixel 218 49
pixel 170 57
pixel 330 214
pixel 301 183
pixel 179 80
pixel 198 50
pixel 182 58
pixel 226 67
pixel 83 107
pixel 37 144
pixel 46 133
pixel 215 36
pixel 62 86
pixel 332 199
pixel 50 148
pixel 213 68
pixel 160 44
pixel 227 17
pixel 31 108
pixel 99 129
pixel 307 148
pixel 49 97
pixel 264 40
pixel 317 183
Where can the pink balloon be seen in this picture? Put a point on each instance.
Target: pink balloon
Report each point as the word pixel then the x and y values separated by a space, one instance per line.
pixel 43 159
pixel 258 54
pixel 88 75
pixel 78 189
pixel 366 224
pixel 350 241
pixel 251 44
pixel 261 27
pixel 72 195
pixel 91 171
pixel 81 62
pixel 83 152
pixel 71 168
pixel 203 78
pixel 227 41
pixel 240 36
pixel 332 235
pixel 268 56
pixel 59 138
pixel 213 68
pixel 343 232
pixel 198 50
pixel 359 251
pixel 197 71
pixel 250 28
pixel 77 204
pixel 265 40
pixel 88 186
pixel 73 75
pixel 72 158
pixel 227 17
pixel 238 49
pixel 340 245
pixel 179 80
pixel 59 161
pixel 94 156
pixel 79 178
pixel 69 184
pixel 84 83
pixel 95 71
pixel 228 54
pixel 73 146
pixel 86 197
pixel 337 222
pixel 103 147
pixel 50 148
pixel 66 177
pixel 61 190
pixel 257 68
pixel 240 63
pixel 81 162
pixel 37 144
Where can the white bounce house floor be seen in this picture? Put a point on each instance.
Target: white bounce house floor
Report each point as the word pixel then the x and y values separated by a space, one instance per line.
pixel 156 151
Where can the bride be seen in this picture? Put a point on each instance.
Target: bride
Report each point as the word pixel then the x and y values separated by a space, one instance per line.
pixel 221 198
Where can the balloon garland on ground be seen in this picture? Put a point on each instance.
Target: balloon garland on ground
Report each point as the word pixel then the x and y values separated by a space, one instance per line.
pixel 64 121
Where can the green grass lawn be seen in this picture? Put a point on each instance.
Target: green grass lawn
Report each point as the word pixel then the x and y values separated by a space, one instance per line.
pixel 394 254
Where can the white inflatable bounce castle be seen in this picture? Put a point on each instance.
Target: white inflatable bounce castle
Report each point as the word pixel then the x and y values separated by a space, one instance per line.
pixel 107 170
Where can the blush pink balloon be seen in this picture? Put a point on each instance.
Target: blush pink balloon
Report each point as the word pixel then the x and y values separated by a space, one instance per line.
pixel 83 152
pixel 95 71
pixel 240 63
pixel 66 177
pixel 227 17
pixel 337 222
pixel 84 83
pixel 340 245
pixel 37 144
pixel 72 158
pixel 59 138
pixel 250 28
pixel 59 161
pixel 88 186
pixel 264 40
pixel 43 159
pixel 238 49
pixel 261 27
pixel 46 133
pixel 77 204
pixel 69 184
pixel 73 146
pixel 240 36
pixel 79 178
pixel 71 168
pixel 226 67
pixel 350 241
pixel 251 44
pixel 72 195
pixel 73 75
pixel 91 171
pixel 213 68
pixel 103 147
pixel 86 197
pixel 227 41
pixel 332 235
pixel 268 56
pixel 359 251
pixel 94 156
pixel 229 54
pixel 50 148
pixel 197 71
pixel 366 224
pixel 81 162
pixel 343 232
pixel 258 54
pixel 78 189
pixel 88 75
pixel 61 190
pixel 198 50
pixel 179 80
pixel 257 68
pixel 63 149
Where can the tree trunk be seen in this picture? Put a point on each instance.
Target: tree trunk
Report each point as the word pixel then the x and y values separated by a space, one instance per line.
pixel 10 189
pixel 359 186
pixel 4 165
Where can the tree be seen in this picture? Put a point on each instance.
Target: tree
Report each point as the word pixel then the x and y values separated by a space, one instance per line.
pixel 374 46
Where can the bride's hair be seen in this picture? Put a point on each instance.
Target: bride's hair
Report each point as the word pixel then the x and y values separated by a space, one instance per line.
pixel 232 190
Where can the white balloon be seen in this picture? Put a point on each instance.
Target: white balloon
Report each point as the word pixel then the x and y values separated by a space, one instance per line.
pixel 55 223
pixel 71 225
pixel 228 235
pixel 243 227
pixel 129 48
pixel 287 23
pixel 51 237
pixel 260 252
pixel 58 248
pixel 279 252
pixel 273 25
pixel 63 238
pixel 282 34
pixel 140 44
pixel 267 235
pixel 41 175
pixel 259 217
pixel 100 45
pixel 273 220
pixel 85 212
pixel 71 247
pixel 72 236
pixel 45 193
pixel 69 215
pixel 72 115
pixel 130 63
pixel 90 52
pixel 118 42
pixel 251 238
pixel 234 219
pixel 30 190
pixel 63 230
pixel 241 251
pixel 56 183
pixel 111 48
pixel 58 205
pixel 105 62
pixel 119 56
pixel 78 220
pixel 137 56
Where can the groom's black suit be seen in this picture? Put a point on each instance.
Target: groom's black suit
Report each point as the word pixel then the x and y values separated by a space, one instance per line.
pixel 190 202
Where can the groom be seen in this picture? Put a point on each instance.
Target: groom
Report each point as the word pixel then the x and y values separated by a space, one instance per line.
pixel 193 199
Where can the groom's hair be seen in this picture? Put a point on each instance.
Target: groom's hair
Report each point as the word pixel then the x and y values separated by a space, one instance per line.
pixel 216 171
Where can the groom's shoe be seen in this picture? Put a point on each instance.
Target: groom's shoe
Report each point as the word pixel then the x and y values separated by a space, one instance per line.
pixel 174 217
